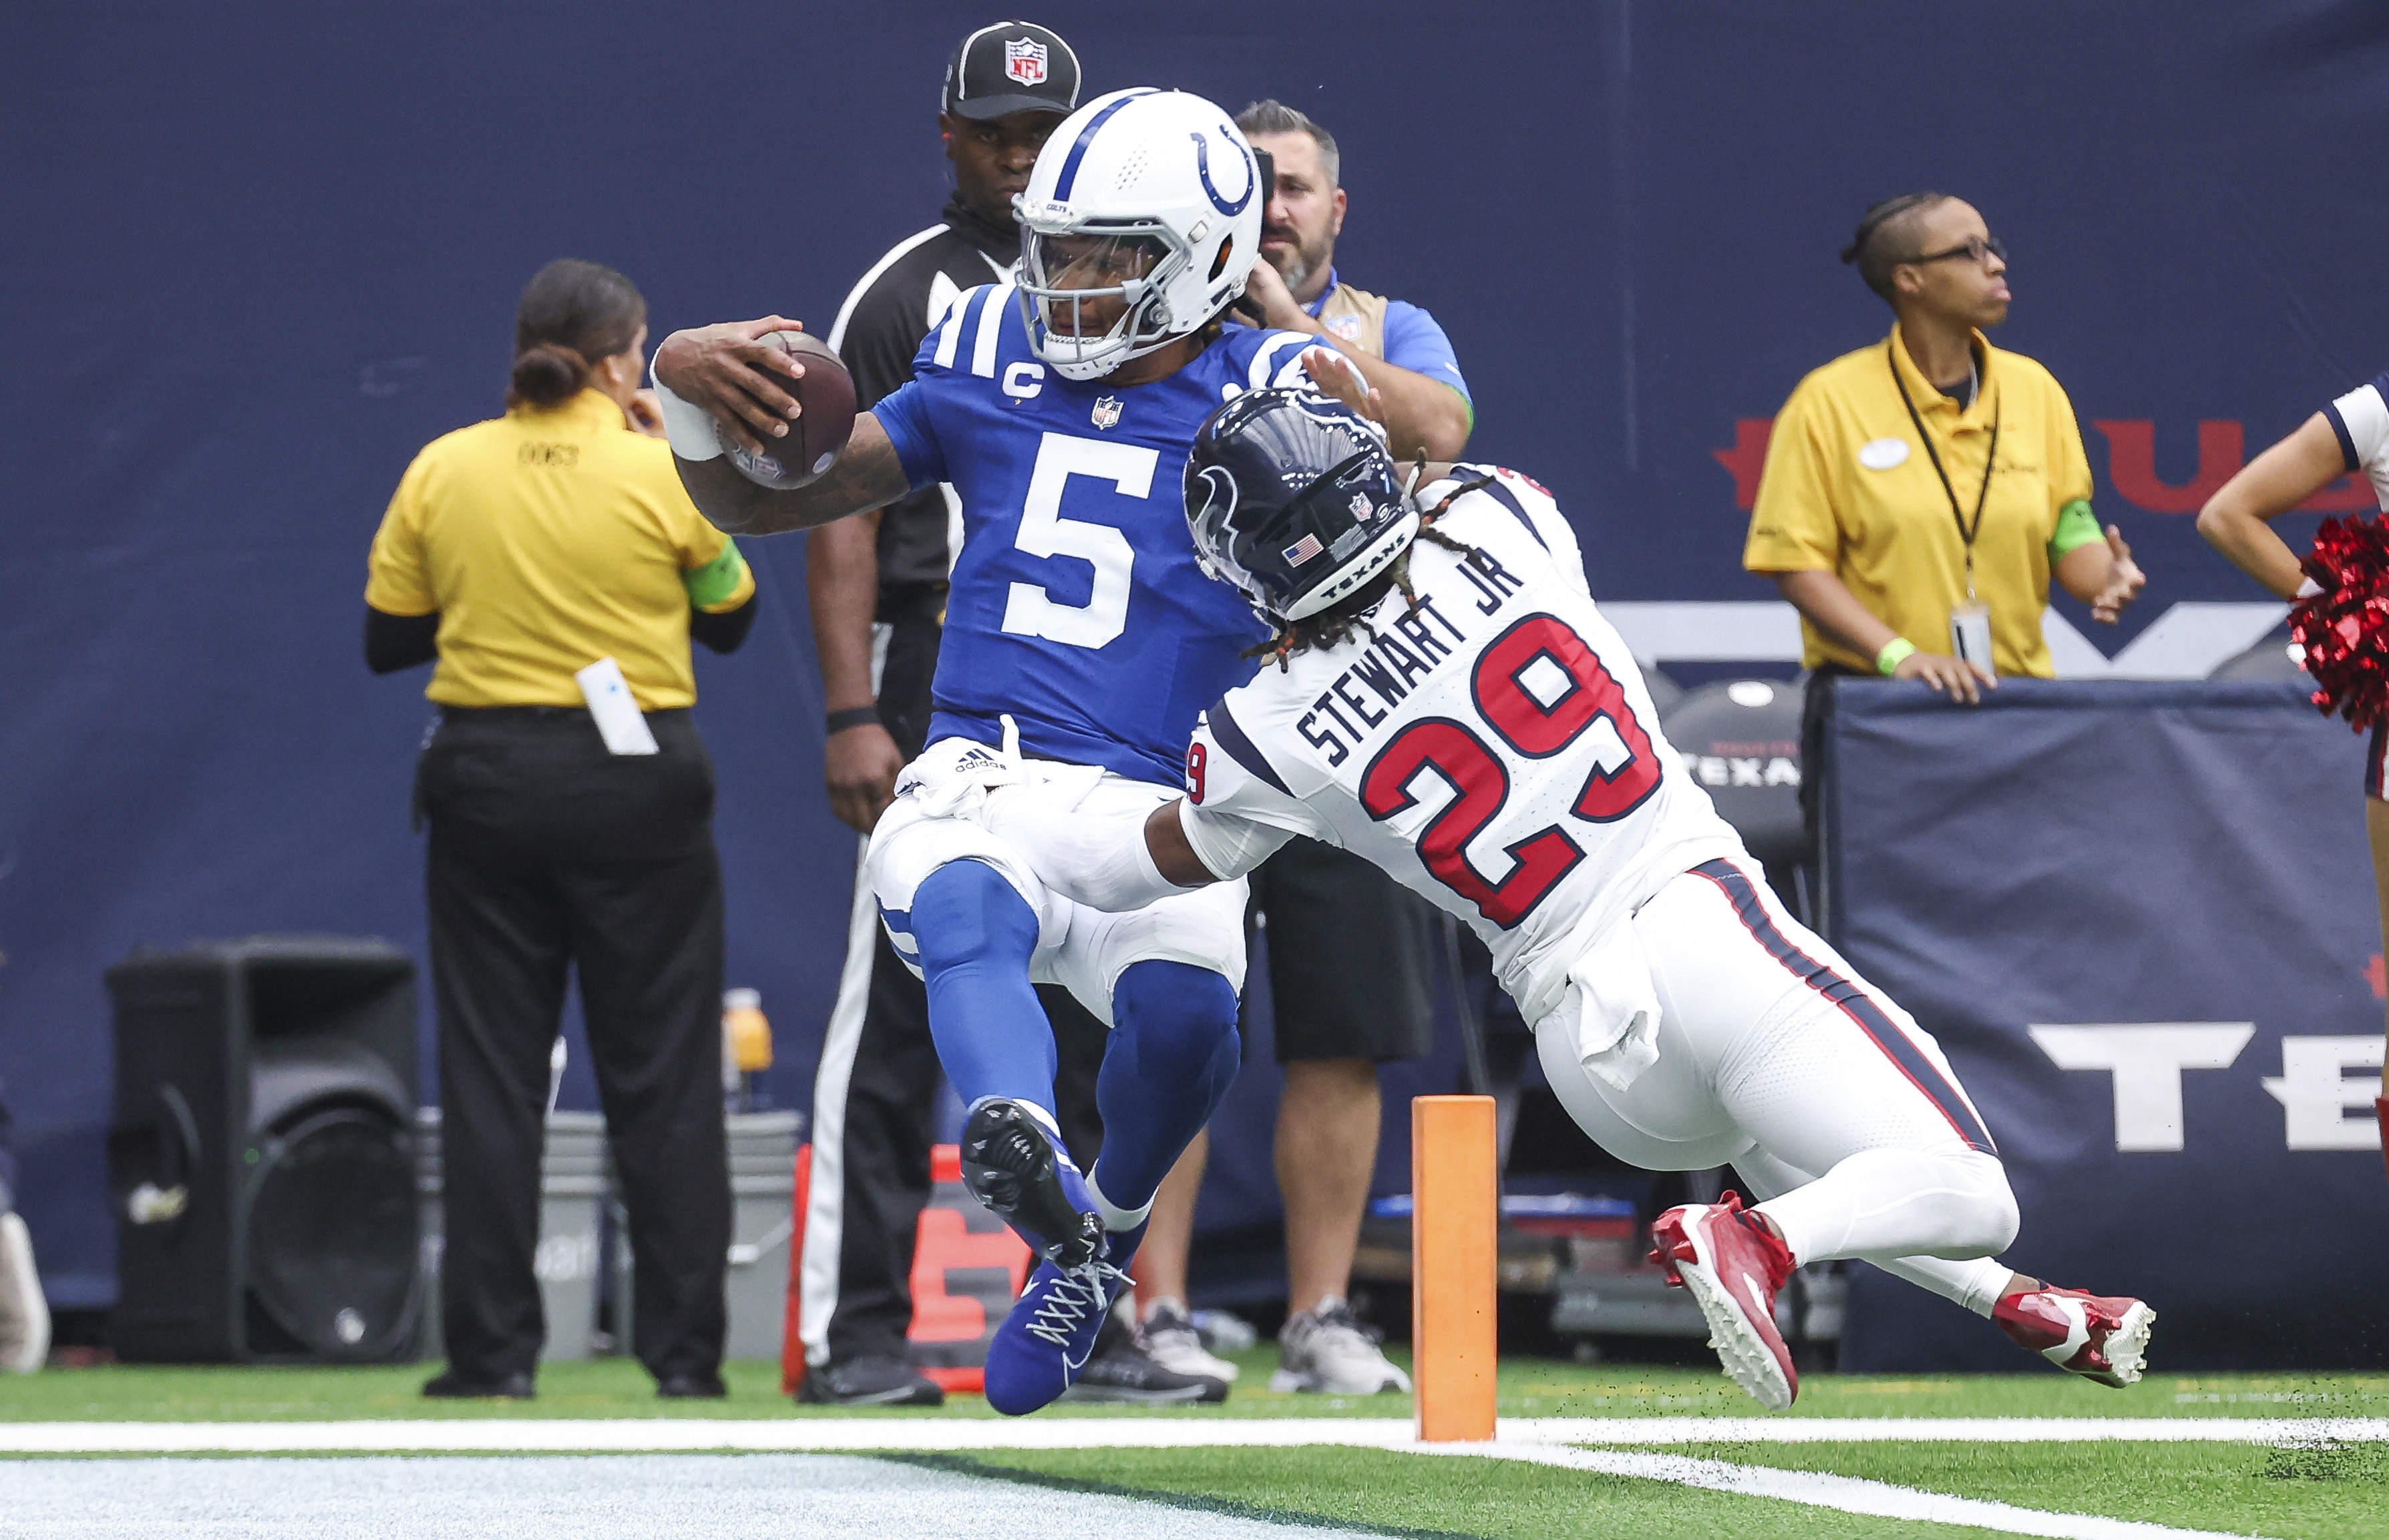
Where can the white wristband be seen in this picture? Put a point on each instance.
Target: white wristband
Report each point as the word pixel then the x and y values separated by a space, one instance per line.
pixel 687 425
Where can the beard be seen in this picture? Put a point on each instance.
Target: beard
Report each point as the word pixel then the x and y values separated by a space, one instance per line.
pixel 1297 265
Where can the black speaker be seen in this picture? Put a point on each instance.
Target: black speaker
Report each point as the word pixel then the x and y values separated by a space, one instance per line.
pixel 261 1160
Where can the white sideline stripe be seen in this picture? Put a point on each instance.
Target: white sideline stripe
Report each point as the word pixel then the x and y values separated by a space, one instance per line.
pixel 1945 1430
pixel 1843 1494
pixel 650 1436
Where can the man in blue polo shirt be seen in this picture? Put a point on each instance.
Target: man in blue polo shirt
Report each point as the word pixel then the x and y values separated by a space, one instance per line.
pixel 1399 347
pixel 1349 975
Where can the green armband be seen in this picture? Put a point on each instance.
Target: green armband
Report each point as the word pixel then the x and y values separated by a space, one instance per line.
pixel 715 582
pixel 2076 526
pixel 1896 651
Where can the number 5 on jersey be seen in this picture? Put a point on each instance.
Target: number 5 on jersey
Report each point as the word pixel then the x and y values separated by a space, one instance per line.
pixel 1029 610
pixel 1540 688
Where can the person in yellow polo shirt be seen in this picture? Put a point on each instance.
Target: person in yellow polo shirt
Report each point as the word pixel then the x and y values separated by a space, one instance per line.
pixel 1882 513
pixel 526 555
pixel 1920 493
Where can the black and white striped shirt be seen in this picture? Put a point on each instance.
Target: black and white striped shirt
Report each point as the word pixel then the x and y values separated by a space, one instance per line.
pixel 877 332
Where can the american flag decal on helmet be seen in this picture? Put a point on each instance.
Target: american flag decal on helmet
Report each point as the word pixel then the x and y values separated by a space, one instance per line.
pixel 1302 549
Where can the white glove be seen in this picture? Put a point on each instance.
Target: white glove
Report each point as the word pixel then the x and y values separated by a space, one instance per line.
pixel 953 778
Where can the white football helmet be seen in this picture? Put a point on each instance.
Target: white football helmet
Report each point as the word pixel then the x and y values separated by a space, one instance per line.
pixel 1146 198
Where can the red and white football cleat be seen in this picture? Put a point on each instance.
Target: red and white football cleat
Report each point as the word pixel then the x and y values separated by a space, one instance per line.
pixel 2102 1338
pixel 1732 1264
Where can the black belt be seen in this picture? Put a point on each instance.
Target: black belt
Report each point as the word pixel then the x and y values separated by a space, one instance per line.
pixel 467 714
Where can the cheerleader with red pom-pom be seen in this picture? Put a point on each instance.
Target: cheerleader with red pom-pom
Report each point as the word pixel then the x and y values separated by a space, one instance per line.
pixel 2339 594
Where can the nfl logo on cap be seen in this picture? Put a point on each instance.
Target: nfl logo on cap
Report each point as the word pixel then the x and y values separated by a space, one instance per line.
pixel 1011 67
pixel 1024 61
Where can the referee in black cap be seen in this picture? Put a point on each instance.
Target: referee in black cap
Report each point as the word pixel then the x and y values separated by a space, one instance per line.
pixel 878 587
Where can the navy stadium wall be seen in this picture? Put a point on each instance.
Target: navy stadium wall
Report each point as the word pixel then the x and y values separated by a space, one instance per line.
pixel 2137 916
pixel 253 258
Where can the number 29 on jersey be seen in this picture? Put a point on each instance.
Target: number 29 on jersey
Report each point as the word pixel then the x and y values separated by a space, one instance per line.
pixel 1542 691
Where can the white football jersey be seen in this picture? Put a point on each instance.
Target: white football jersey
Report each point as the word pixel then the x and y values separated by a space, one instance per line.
pixel 1494 748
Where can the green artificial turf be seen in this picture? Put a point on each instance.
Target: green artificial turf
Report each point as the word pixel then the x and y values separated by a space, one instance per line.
pixel 1425 1496
pixel 2321 1494
pixel 2331 1493
pixel 1530 1387
pixel 2327 1494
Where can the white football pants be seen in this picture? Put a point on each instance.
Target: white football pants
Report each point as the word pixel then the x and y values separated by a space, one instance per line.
pixel 1835 1108
pixel 1084 949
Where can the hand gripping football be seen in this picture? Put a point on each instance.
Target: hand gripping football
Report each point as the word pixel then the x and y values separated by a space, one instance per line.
pixel 826 396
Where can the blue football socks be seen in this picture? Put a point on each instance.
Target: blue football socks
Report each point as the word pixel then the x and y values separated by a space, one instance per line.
pixel 977 934
pixel 1173 1056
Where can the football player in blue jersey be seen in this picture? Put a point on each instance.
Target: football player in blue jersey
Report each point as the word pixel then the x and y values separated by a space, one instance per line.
pixel 1061 409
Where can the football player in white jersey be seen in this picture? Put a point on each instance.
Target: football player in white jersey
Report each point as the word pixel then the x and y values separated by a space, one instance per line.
pixel 1442 696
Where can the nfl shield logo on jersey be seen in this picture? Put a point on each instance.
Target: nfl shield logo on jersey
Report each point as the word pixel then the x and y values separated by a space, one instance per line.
pixel 1024 61
pixel 1108 411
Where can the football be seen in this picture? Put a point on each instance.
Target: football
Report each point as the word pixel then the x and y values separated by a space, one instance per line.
pixel 826 393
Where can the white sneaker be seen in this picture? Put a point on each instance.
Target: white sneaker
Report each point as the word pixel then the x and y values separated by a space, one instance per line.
pixel 24 1314
pixel 1325 1350
pixel 1168 1338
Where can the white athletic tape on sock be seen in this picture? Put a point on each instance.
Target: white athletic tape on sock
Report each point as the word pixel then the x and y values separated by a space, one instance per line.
pixel 1116 1218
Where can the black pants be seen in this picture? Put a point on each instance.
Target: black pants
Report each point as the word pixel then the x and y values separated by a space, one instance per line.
pixel 547 852
pixel 1351 957
pixel 875 1097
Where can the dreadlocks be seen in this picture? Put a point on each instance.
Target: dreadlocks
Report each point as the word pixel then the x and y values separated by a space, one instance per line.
pixel 1336 625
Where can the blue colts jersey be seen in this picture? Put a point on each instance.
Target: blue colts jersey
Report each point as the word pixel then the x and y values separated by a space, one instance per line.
pixel 1077 605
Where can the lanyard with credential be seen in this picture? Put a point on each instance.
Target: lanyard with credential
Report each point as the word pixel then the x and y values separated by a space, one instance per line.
pixel 1966 532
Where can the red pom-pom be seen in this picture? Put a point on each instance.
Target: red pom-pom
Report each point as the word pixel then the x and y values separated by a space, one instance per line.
pixel 2345 629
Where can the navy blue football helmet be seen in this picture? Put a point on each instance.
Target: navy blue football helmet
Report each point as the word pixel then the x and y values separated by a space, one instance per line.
pixel 1293 499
